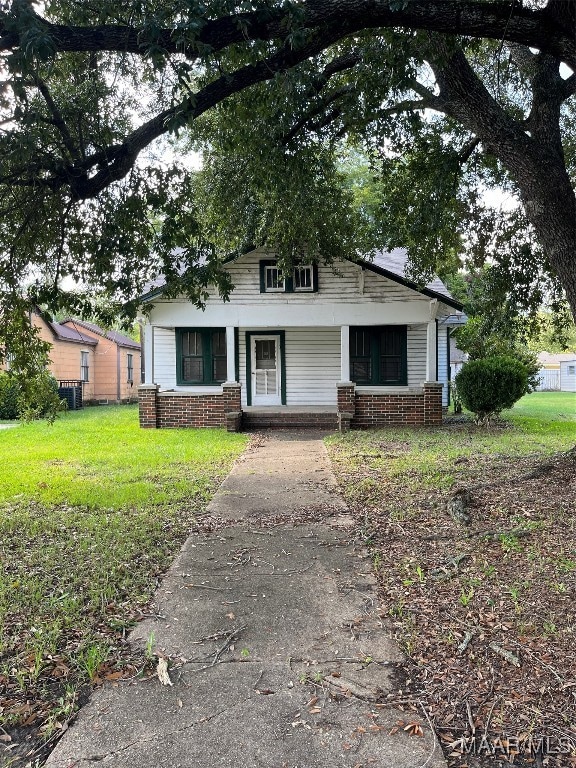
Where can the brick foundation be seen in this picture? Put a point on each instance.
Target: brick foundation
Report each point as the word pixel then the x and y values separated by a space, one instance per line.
pixel 381 409
pixel 147 405
pixel 186 409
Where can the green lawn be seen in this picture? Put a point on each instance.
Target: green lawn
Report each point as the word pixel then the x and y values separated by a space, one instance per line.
pixel 550 409
pixel 92 510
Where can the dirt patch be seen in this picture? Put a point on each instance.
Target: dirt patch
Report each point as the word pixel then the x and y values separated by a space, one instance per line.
pixel 484 611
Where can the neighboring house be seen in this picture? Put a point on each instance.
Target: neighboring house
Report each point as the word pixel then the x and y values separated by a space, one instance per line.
pixel 359 345
pixel 568 375
pixel 457 359
pixel 549 373
pixel 106 363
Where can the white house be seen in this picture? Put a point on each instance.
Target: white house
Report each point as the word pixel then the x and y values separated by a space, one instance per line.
pixel 354 345
pixel 568 375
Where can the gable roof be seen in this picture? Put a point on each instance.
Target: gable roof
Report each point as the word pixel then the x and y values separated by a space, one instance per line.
pixel 63 333
pixel 392 264
pixel 389 264
pixel 118 338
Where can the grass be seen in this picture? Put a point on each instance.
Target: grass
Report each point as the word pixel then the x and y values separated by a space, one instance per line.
pixel 455 592
pixel 92 510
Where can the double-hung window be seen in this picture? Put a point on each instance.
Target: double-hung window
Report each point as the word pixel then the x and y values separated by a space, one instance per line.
pixel 378 355
pixel 201 356
pixel 84 366
pixel 130 367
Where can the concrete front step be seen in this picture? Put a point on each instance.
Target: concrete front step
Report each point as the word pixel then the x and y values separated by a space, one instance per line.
pixel 279 419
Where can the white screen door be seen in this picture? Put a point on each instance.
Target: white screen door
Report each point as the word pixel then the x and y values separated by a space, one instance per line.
pixel 266 370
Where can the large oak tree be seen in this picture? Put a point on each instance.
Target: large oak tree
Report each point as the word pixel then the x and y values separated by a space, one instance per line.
pixel 94 95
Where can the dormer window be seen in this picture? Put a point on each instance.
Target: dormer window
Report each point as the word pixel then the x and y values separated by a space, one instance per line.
pixel 303 279
pixel 274 278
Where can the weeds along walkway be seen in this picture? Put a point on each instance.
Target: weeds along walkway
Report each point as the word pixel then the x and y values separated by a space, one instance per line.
pixel 269 620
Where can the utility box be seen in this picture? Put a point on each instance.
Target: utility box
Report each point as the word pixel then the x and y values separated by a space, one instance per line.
pixel 71 391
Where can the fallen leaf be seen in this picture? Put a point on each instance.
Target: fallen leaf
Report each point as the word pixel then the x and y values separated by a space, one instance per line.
pixel 162 672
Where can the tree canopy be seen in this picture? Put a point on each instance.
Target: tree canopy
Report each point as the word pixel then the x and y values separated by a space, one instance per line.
pixel 100 102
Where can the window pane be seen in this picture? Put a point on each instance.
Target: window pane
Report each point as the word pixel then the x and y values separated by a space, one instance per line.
pixel 219 343
pixel 390 369
pixel 391 342
pixel 274 278
pixel 359 343
pixel 360 370
pixel 219 369
pixel 303 277
pixel 193 369
pixel 192 343
pixel 265 354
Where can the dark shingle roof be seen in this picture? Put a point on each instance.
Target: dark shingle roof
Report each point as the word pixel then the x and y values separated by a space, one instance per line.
pixel 117 338
pixel 64 333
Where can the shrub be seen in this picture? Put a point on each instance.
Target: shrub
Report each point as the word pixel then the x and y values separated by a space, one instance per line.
pixel 35 398
pixel 490 385
pixel 9 392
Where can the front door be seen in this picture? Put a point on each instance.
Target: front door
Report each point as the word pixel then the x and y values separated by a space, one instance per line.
pixel 266 370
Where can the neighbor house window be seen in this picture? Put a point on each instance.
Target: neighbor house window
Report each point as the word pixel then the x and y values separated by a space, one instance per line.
pixel 130 367
pixel 201 356
pixel 274 280
pixel 378 355
pixel 84 367
pixel 571 370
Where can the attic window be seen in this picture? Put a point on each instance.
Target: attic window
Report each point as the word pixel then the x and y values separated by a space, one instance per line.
pixel 303 278
pixel 273 279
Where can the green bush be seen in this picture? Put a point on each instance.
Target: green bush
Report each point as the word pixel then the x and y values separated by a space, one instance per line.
pixel 34 398
pixel 9 392
pixel 489 385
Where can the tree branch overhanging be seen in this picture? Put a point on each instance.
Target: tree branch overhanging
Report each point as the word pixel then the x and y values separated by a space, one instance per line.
pixel 545 29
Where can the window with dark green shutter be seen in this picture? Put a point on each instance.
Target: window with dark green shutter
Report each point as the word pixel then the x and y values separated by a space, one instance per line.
pixel 200 356
pixel 378 355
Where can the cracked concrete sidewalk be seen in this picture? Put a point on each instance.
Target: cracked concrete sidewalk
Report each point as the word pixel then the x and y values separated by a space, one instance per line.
pixel 279 655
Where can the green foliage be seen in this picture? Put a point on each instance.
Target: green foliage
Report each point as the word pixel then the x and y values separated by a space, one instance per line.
pixel 8 396
pixel 21 346
pixel 489 385
pixel 34 398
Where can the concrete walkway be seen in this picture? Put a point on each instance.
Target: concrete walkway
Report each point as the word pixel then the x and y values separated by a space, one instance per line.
pixel 279 657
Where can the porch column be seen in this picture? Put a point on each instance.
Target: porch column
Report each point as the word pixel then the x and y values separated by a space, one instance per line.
pixel 431 351
pixel 148 350
pixel 345 353
pixel 230 354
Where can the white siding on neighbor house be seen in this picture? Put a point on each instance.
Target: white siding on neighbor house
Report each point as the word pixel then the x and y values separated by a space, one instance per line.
pixel 443 367
pixel 568 375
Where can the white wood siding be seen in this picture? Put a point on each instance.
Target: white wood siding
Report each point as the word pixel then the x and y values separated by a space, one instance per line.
pixel 165 357
pixel 567 377
pixel 346 295
pixel 416 342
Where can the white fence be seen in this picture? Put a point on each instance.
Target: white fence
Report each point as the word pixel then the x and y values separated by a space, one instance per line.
pixel 549 380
